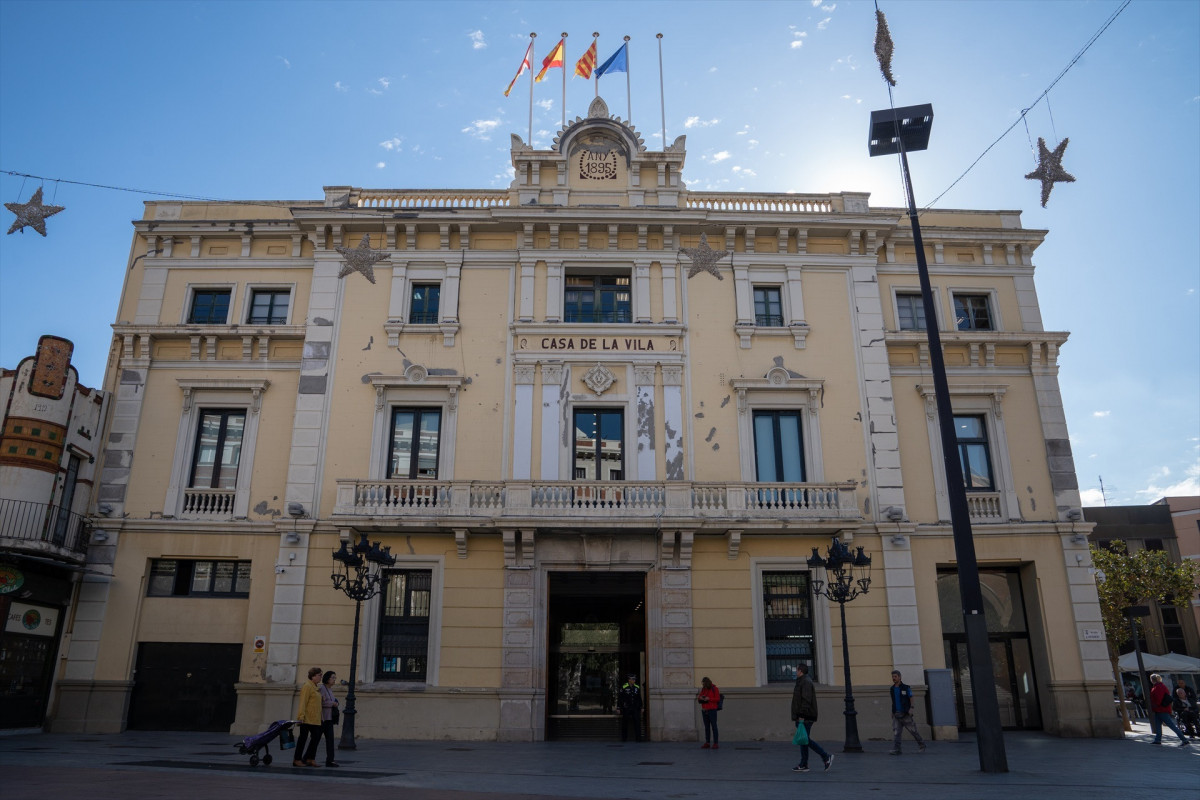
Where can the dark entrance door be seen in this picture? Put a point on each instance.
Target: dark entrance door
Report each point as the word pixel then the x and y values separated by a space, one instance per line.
pixel 184 686
pixel 1008 640
pixel 597 635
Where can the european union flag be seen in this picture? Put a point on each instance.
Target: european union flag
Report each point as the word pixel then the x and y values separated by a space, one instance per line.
pixel 617 62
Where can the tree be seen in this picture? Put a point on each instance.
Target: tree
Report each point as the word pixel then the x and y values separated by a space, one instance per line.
pixel 1126 579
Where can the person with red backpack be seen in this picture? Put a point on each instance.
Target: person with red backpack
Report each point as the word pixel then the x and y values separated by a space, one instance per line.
pixel 1160 710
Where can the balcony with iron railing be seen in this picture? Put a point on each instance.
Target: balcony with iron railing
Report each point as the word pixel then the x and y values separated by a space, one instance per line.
pixel 587 502
pixel 43 529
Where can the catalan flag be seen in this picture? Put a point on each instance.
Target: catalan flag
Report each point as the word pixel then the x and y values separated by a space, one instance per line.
pixel 585 65
pixel 555 59
pixel 525 64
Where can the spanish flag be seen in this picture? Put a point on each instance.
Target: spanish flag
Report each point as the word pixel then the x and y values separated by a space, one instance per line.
pixel 524 66
pixel 555 59
pixel 585 65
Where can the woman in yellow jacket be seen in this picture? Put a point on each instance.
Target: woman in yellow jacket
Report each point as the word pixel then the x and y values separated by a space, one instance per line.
pixel 309 718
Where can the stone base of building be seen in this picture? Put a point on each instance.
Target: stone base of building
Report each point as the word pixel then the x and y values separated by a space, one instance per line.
pixel 1080 709
pixel 90 706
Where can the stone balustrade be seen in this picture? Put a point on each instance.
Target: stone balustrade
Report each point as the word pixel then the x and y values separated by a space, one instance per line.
pixel 623 500
pixel 985 506
pixel 778 203
pixel 207 504
pixel 433 198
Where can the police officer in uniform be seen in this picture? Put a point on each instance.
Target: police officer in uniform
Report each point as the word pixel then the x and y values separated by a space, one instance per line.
pixel 629 701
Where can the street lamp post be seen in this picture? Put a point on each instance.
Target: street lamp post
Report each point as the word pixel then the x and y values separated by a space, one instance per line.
pixel 359 579
pixel 1132 613
pixel 847 576
pixel 899 130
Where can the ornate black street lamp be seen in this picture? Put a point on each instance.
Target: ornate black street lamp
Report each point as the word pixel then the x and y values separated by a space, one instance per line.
pixel 902 131
pixel 847 576
pixel 360 579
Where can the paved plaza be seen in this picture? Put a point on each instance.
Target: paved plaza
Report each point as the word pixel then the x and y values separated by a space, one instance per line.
pixel 143 765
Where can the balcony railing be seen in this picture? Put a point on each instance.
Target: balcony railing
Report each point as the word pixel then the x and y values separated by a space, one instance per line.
pixel 628 500
pixel 43 527
pixel 985 506
pixel 207 503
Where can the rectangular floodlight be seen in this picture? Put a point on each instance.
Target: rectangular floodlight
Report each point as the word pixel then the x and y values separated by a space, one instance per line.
pixel 890 126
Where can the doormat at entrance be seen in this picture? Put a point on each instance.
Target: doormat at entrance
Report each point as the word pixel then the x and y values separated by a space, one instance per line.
pixel 310 772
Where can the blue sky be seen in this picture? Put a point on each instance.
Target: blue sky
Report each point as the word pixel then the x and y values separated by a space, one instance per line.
pixel 273 100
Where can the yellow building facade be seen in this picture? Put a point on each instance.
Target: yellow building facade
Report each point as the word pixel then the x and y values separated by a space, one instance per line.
pixel 595 446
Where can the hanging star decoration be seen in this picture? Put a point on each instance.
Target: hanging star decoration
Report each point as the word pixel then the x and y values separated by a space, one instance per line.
pixel 361 259
pixel 704 258
pixel 32 214
pixel 884 47
pixel 1049 170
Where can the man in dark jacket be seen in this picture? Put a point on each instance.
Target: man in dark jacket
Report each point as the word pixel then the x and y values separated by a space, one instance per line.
pixel 902 714
pixel 804 712
pixel 629 701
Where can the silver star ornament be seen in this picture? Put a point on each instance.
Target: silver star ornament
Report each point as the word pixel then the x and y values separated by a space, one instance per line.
pixel 704 258
pixel 32 214
pixel 1049 170
pixel 361 259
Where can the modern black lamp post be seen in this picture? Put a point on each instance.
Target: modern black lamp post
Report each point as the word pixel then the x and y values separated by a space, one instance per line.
pixel 360 579
pixel 847 576
pixel 900 130
pixel 1132 613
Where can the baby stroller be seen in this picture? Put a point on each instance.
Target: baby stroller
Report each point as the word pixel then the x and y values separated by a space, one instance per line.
pixel 281 729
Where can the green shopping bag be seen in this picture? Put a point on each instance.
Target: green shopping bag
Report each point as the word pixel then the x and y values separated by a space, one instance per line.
pixel 801 734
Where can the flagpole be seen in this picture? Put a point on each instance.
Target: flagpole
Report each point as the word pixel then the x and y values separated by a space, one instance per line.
pixel 662 103
pixel 628 97
pixel 532 61
pixel 596 78
pixel 564 71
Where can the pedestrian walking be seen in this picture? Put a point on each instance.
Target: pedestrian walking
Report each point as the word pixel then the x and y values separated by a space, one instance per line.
pixel 804 712
pixel 309 717
pixel 629 701
pixel 902 714
pixel 330 715
pixel 709 698
pixel 1160 711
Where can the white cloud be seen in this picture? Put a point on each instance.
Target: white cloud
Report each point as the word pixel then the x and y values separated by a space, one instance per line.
pixel 338 85
pixel 829 8
pixel 721 156
pixel 696 122
pixel 744 172
pixel 823 24
pixel 797 44
pixel 752 142
pixel 545 105
pixel 1190 485
pixel 1091 498
pixel 373 90
pixel 712 69
pixel 482 128
pixel 392 144
pixel 1101 414
pixel 477 42
pixel 848 61
pixel 380 164
pixel 385 83
pixel 286 63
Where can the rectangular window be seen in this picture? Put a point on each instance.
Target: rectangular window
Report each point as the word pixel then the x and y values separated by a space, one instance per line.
pixel 974 453
pixel 414 448
pixel 209 307
pixel 404 625
pixel 787 624
pixel 597 298
pixel 269 306
pixel 170 577
pixel 218 449
pixel 910 311
pixel 423 308
pixel 768 307
pixel 599 444
pixel 972 312
pixel 778 447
